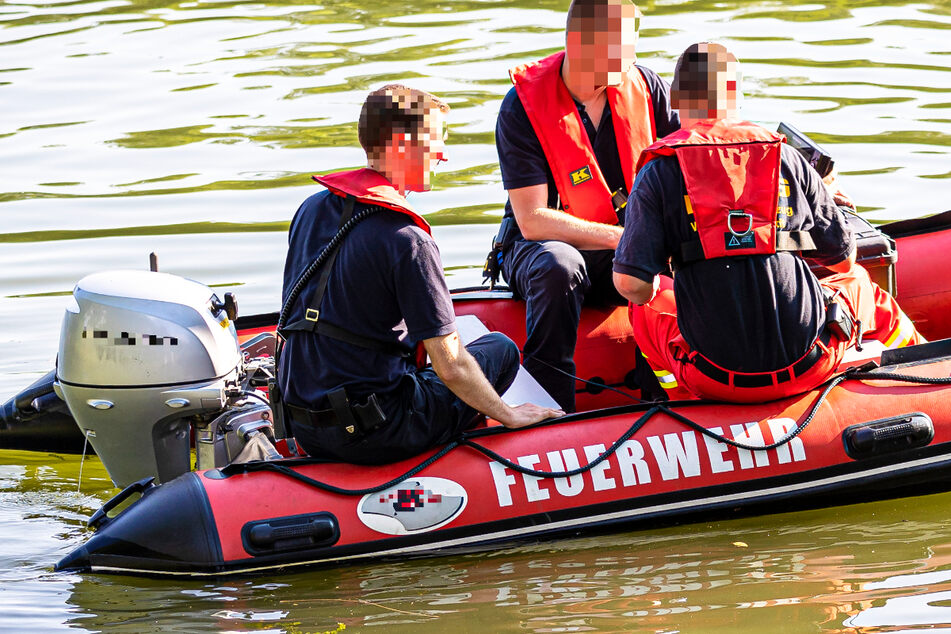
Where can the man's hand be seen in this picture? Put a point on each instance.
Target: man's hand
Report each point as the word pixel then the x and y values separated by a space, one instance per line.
pixel 529 414
pixel 839 196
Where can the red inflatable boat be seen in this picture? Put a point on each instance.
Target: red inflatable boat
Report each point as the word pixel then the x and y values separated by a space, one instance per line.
pixel 882 430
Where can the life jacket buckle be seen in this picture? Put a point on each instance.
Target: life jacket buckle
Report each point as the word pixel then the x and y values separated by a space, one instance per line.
pixel 739 213
pixel 312 314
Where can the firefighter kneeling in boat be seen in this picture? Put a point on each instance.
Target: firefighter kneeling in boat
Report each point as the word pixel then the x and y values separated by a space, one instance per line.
pixel 351 374
pixel 736 211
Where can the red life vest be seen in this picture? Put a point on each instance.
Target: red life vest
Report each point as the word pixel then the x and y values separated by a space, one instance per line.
pixel 370 187
pixel 731 171
pixel 555 119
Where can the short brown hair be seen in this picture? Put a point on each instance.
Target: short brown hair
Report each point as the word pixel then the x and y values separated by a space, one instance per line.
pixel 583 12
pixel 695 75
pixel 394 108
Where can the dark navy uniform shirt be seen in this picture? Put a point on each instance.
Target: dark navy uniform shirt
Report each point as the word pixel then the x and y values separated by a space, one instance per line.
pixel 522 158
pixel 748 314
pixel 387 284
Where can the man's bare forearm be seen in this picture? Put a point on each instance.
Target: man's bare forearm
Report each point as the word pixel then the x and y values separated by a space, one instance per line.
pixel 550 224
pixel 465 378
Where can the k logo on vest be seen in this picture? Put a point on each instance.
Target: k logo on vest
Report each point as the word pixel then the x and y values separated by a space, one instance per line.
pixel 582 175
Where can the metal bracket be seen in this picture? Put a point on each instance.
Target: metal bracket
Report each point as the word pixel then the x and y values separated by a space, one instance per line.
pixel 739 213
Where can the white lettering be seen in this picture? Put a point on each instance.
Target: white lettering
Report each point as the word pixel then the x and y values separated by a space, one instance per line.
pixel 715 450
pixel 503 480
pixel 751 436
pixel 566 486
pixel 675 454
pixel 779 427
pixel 601 481
pixel 630 457
pixel 534 492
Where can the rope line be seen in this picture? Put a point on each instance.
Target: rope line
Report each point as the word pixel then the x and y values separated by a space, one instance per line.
pixel 463 441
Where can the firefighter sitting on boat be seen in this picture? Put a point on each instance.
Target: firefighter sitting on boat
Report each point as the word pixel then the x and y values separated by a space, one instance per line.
pixel 568 135
pixel 736 211
pixel 351 373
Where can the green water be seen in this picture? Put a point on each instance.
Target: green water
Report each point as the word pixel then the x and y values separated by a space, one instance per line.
pixel 191 129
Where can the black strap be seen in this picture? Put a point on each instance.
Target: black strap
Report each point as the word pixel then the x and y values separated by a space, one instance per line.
pixel 794 241
pixel 313 309
pixel 327 329
pixel 340 405
pixel 763 379
pixel 312 322
pixel 692 250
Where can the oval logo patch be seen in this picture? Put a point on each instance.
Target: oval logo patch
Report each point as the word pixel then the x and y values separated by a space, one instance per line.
pixel 414 506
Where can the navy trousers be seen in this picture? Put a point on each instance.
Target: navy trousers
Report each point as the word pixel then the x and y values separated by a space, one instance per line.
pixel 555 279
pixel 420 414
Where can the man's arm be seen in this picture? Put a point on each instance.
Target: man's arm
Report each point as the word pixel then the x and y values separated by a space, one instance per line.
pixel 537 222
pixel 462 374
pixel 843 266
pixel 633 289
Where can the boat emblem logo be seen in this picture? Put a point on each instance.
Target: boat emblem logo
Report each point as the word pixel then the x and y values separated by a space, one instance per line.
pixel 413 506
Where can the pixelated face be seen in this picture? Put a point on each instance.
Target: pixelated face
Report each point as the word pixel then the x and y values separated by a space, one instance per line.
pixel 412 155
pixel 601 48
pixel 707 90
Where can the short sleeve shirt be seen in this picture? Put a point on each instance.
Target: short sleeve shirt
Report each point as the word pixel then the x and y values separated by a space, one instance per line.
pixel 387 283
pixel 522 159
pixel 748 314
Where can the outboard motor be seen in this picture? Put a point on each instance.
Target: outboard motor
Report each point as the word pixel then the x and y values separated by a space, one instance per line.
pixel 142 357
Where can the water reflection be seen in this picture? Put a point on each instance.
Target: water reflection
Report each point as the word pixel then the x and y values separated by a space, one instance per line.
pixel 830 569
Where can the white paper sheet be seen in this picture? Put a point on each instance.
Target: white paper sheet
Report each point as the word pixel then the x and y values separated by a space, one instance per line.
pixel 525 389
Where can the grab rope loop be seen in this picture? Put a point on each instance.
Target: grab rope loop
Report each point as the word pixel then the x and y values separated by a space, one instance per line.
pixel 465 441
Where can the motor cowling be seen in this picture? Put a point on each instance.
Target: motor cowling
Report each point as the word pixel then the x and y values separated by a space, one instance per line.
pixel 141 355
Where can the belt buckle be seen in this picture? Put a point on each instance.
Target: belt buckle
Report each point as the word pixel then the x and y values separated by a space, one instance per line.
pixel 312 314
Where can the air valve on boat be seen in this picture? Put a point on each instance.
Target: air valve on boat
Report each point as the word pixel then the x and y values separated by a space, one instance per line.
pixel 888 435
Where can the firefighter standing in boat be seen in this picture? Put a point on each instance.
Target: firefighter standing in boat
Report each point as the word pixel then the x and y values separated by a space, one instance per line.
pixel 350 373
pixel 568 136
pixel 734 209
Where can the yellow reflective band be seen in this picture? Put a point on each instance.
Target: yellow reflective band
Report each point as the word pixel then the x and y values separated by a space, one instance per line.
pixel 666 379
pixel 902 335
pixel 891 339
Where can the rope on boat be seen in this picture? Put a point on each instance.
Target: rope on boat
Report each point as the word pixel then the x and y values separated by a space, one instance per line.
pixel 290 473
pixel 463 441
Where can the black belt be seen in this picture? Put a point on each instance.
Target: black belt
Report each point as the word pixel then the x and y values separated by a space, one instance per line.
pixel 764 379
pixel 314 417
pixel 347 416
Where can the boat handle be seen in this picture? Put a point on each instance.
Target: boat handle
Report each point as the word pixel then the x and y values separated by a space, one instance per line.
pixel 101 516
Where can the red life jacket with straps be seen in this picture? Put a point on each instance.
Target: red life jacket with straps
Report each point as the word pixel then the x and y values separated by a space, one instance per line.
pixel 555 119
pixel 731 171
pixel 370 187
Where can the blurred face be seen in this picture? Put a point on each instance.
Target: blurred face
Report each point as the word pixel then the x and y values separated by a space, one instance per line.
pixel 412 156
pixel 707 90
pixel 600 49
